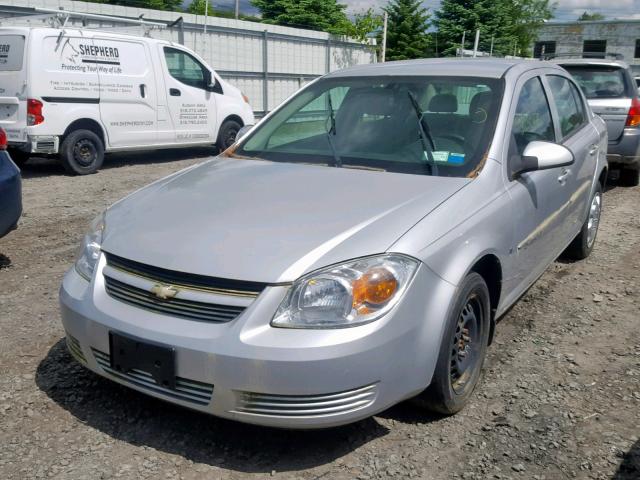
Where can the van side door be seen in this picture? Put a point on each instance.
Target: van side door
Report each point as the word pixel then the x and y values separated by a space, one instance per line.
pixel 128 96
pixel 191 104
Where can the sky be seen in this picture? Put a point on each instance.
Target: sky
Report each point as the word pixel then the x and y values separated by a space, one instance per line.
pixel 566 9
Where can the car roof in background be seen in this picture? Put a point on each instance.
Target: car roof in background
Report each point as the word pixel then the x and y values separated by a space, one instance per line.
pixel 589 61
pixel 455 67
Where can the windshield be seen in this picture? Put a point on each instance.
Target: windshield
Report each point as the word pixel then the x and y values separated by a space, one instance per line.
pixel 600 82
pixel 431 125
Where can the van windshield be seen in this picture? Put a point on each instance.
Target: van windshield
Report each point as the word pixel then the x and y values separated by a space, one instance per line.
pixel 11 52
pixel 600 81
pixel 432 125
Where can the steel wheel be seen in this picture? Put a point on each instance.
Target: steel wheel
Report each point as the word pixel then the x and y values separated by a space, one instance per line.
pixel 84 152
pixel 466 344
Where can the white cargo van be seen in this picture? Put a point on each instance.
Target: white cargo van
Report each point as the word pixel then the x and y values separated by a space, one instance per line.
pixel 80 93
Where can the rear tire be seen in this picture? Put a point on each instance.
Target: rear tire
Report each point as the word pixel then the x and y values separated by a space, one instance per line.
pixel 581 246
pixel 82 152
pixel 629 177
pixel 19 157
pixel 227 134
pixel 463 349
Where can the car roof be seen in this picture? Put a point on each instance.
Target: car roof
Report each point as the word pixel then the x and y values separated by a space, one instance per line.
pixel 455 67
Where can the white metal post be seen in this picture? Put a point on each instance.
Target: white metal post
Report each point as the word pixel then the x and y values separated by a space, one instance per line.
pixel 384 37
pixel 462 45
pixel 206 14
pixel 237 9
pixel 475 44
pixel 491 51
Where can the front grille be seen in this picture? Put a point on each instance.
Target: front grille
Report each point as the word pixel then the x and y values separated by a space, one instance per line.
pixel 187 390
pixel 74 348
pixel 194 281
pixel 193 310
pixel 306 405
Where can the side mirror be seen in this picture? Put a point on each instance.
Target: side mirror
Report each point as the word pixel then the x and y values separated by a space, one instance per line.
pixel 242 132
pixel 539 155
pixel 210 83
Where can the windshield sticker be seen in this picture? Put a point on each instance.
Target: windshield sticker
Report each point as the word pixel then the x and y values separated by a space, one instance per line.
pixel 440 156
pixel 456 158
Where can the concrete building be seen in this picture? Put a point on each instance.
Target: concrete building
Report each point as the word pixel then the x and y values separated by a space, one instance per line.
pixel 592 39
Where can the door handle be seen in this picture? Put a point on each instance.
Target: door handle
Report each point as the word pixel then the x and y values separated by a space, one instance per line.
pixel 174 92
pixel 593 149
pixel 563 176
pixel 143 92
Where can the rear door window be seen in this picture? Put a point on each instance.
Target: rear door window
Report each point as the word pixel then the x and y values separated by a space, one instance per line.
pixel 570 109
pixel 11 52
pixel 600 81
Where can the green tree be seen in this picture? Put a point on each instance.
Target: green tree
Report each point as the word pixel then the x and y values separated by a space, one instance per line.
pixel 198 7
pixel 512 24
pixel 169 5
pixel 588 17
pixel 406 30
pixel 364 24
pixel 325 15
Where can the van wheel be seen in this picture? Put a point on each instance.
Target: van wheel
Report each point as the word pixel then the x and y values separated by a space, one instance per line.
pixel 19 157
pixel 82 152
pixel 581 246
pixel 629 177
pixel 462 350
pixel 227 134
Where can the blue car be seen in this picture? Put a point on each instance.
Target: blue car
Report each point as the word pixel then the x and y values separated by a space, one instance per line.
pixel 10 189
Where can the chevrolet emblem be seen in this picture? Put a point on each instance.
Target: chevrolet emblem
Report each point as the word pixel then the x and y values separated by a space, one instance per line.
pixel 164 292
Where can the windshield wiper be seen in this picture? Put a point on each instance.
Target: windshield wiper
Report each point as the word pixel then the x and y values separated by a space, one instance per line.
pixel 332 132
pixel 425 134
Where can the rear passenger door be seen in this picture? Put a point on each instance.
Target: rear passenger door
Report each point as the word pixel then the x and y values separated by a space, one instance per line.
pixel 574 131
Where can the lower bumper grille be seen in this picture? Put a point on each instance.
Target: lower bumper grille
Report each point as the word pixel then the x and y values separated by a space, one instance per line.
pixel 192 310
pixel 306 405
pixel 74 347
pixel 188 390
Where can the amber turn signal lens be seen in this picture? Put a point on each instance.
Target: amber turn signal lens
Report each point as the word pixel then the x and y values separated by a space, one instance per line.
pixel 374 289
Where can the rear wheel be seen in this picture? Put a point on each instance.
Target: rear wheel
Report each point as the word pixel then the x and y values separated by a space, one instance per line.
pixel 19 157
pixel 82 152
pixel 582 245
pixel 227 134
pixel 629 177
pixel 463 349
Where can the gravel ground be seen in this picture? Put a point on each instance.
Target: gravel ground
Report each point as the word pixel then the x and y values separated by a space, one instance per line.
pixel 559 398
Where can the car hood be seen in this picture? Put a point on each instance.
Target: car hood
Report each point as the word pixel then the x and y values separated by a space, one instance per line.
pixel 269 222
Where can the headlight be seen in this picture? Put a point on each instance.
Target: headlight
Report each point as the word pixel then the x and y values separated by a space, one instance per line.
pixel 90 249
pixel 345 295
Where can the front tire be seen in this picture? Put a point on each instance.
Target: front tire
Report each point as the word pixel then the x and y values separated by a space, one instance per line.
pixel 227 134
pixel 462 350
pixel 581 246
pixel 82 152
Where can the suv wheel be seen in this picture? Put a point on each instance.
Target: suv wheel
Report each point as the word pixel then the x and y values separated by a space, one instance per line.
pixel 82 152
pixel 629 177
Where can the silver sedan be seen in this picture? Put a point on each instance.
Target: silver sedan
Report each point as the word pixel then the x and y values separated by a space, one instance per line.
pixel 352 250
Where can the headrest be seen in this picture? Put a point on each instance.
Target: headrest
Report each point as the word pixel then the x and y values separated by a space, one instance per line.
pixel 443 103
pixel 379 101
pixel 479 107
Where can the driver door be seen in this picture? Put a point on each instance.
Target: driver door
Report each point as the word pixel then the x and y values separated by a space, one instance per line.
pixel 192 107
pixel 537 197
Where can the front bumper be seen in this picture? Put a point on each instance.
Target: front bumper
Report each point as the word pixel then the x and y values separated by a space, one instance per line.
pixel 626 151
pixel 247 370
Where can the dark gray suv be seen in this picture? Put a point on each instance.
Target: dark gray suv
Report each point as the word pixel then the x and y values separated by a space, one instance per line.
pixel 612 93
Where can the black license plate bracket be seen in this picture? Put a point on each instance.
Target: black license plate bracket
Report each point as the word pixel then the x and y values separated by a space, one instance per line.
pixel 128 353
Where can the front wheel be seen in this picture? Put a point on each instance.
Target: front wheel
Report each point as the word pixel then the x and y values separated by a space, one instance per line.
pixel 581 246
pixel 462 350
pixel 227 134
pixel 82 152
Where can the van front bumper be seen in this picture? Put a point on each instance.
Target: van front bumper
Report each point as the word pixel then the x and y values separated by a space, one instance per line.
pixel 248 371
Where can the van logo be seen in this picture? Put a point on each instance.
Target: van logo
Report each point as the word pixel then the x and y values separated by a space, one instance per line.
pixel 164 292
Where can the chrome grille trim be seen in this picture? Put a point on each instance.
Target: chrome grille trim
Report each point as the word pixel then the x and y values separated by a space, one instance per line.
pixel 190 309
pixel 221 286
pixel 188 390
pixel 306 405
pixel 73 345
